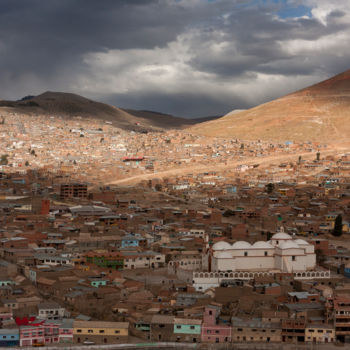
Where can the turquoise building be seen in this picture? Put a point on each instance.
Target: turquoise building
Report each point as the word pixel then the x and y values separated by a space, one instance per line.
pixel 187 326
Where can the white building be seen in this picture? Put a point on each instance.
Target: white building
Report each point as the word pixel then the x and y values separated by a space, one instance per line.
pixel 51 311
pixel 281 254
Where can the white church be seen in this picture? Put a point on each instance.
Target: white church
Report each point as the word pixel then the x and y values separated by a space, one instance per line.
pixel 282 253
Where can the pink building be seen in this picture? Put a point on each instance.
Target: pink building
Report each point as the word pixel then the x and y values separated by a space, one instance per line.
pixel 47 332
pixel 51 329
pixel 30 335
pixel 5 314
pixel 66 331
pixel 212 330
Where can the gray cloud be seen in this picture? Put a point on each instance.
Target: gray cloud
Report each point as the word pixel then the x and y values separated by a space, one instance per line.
pixel 188 57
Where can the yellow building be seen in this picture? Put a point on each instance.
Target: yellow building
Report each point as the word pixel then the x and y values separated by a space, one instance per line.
pixel 99 332
pixel 319 334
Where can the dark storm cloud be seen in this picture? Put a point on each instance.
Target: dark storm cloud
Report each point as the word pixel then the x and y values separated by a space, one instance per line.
pixel 187 57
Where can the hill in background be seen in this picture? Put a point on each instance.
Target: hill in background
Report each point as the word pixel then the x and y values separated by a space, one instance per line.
pixel 72 105
pixel 318 113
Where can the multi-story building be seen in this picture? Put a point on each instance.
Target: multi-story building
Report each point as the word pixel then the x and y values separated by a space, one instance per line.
pixel 187 330
pixel 66 330
pixel 111 260
pixel 322 333
pixel 162 328
pixel 33 335
pixel 338 309
pixel 51 311
pixel 293 330
pixel 255 331
pixel 98 332
pixel 143 260
pixel 9 337
pixel 73 190
pixel 212 330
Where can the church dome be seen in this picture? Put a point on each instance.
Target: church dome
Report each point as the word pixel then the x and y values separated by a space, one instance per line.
pixel 281 235
pixel 301 242
pixel 221 246
pixel 241 245
pixel 262 245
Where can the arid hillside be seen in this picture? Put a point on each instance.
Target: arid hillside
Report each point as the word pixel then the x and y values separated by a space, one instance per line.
pixel 318 113
pixel 72 105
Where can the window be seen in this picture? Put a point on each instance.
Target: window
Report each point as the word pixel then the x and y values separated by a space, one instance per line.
pixel 178 327
pixel 265 253
pixel 210 312
pixel 245 253
pixel 90 331
pixel 116 332
pixel 192 327
pixel 102 331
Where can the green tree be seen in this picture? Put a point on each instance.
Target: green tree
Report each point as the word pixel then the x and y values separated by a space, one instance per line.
pixel 299 160
pixel 158 187
pixel 338 226
pixel 270 187
pixel 26 163
pixel 4 160
pixel 228 212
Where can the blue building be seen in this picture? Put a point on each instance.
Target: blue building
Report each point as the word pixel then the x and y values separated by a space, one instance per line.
pixel 9 337
pixel 133 240
pixel 347 271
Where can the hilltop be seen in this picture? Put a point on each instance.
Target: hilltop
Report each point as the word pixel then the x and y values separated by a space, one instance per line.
pixel 72 105
pixel 317 113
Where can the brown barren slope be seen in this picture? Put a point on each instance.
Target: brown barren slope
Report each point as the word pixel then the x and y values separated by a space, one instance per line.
pixel 318 113
pixel 71 105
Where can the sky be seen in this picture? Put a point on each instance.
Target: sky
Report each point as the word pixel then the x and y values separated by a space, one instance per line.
pixel 188 58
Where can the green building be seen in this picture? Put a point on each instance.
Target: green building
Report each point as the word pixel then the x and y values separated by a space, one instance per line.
pixel 108 260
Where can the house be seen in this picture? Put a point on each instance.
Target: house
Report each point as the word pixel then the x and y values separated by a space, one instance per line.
pixel 139 260
pixel 133 240
pixel 187 330
pixel 98 281
pixel 100 332
pixel 212 330
pixel 51 331
pixel 66 331
pixel 162 328
pixel 255 330
pixel 322 333
pixel 32 335
pixel 111 260
pixel 51 311
pixel 9 337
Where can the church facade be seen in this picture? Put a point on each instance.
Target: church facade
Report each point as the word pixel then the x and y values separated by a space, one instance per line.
pixel 281 254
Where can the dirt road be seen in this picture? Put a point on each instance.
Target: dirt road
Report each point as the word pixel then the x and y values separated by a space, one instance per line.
pixel 215 166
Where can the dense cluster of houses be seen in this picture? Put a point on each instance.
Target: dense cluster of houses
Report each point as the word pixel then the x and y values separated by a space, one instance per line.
pixel 194 258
